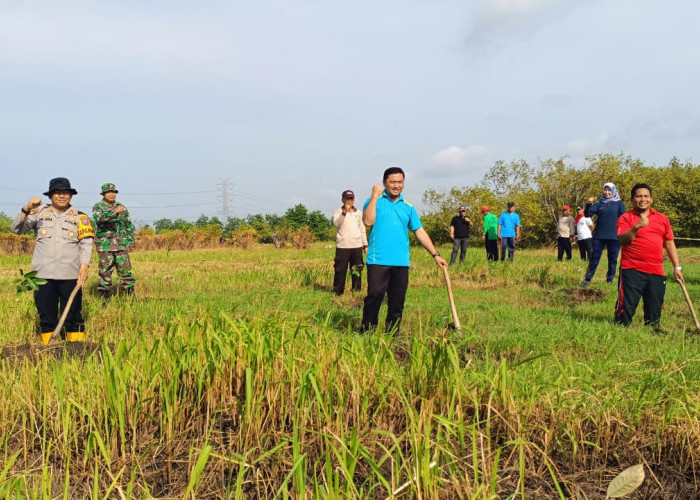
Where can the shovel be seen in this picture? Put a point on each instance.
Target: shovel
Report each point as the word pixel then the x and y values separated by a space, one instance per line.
pixel 690 305
pixel 455 320
pixel 65 312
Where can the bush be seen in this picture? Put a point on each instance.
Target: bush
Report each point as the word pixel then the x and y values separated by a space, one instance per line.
pixel 303 237
pixel 244 236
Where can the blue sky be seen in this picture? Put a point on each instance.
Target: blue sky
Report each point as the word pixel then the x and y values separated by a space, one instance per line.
pixel 295 101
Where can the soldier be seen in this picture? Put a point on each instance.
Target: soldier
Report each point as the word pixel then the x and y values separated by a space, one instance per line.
pixel 115 236
pixel 64 238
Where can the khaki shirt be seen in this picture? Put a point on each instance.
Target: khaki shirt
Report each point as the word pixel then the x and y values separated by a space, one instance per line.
pixel 63 241
pixel 350 231
pixel 566 226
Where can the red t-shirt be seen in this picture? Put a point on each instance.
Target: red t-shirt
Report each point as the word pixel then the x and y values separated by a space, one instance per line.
pixel 646 252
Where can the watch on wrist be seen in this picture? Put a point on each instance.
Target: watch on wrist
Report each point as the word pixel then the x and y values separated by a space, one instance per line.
pixel 436 254
pixel 25 211
pixel 678 268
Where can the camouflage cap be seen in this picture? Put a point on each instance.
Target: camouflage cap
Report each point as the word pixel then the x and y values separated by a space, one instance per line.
pixel 108 187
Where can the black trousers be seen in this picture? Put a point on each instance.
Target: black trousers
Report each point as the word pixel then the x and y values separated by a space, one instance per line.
pixel 491 249
pixel 344 258
pixel 51 299
pixel 632 286
pixel 459 245
pixel 585 248
pixel 393 281
pixel 563 245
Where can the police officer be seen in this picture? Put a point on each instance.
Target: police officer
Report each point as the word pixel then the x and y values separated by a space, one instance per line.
pixel 64 238
pixel 114 237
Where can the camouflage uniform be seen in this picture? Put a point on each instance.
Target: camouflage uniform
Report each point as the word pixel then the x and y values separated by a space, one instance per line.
pixel 114 236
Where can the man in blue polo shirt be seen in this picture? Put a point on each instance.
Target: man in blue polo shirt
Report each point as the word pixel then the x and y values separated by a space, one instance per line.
pixel 509 231
pixel 388 259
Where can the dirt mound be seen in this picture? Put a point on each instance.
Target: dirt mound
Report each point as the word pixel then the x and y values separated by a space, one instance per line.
pixel 584 294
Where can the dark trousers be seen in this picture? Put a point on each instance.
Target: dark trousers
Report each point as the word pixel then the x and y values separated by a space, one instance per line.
pixel 634 285
pixel 509 243
pixel 51 299
pixel 459 244
pixel 393 281
pixel 613 247
pixel 344 258
pixel 563 245
pixel 585 248
pixel 491 249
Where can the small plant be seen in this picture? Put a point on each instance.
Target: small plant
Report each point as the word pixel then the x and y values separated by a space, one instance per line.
pixel 28 282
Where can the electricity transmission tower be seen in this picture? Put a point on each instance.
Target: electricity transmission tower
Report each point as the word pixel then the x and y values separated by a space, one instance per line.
pixel 225 198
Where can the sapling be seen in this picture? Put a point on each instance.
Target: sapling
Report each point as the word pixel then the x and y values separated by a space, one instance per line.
pixel 28 282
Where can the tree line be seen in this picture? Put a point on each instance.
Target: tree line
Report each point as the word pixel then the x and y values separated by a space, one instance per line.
pixel 541 190
pixel 263 227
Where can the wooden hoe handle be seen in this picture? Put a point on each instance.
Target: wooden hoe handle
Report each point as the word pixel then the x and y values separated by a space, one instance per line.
pixel 690 305
pixel 65 311
pixel 455 319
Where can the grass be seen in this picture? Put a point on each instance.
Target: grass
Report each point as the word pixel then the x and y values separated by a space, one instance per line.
pixel 238 374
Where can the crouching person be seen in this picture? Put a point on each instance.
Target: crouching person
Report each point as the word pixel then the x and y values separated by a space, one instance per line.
pixel 64 238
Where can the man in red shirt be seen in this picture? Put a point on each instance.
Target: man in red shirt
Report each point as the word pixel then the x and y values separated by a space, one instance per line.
pixel 643 234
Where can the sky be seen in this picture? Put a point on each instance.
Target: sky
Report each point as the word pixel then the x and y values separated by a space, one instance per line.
pixel 288 102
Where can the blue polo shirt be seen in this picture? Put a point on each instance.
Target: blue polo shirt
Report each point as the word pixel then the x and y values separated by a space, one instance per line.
pixel 388 239
pixel 508 221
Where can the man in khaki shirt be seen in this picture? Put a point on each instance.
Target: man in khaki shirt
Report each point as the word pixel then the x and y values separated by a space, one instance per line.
pixel 566 228
pixel 351 240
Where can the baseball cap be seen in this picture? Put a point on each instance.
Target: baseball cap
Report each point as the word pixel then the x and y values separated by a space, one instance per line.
pixel 566 207
pixel 485 208
pixel 462 209
pixel 348 194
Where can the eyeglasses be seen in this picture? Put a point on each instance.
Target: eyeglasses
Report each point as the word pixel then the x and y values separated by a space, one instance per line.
pixel 349 197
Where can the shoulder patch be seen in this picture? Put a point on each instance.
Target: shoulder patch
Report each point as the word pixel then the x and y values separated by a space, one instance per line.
pixel 85 228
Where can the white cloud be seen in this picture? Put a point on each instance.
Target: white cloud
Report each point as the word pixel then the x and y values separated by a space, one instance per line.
pixel 459 161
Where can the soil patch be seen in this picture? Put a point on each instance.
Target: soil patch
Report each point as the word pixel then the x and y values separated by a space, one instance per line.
pixel 584 294
pixel 61 350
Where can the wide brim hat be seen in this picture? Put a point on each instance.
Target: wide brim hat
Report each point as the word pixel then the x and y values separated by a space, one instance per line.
pixel 60 184
pixel 107 187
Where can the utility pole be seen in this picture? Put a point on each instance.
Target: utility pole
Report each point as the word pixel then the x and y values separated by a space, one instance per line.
pixel 224 197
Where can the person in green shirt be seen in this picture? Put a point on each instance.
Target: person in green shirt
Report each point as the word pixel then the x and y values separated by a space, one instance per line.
pixel 114 237
pixel 490 235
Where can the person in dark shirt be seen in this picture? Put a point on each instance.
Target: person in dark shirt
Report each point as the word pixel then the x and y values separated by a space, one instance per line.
pixel 608 209
pixel 459 232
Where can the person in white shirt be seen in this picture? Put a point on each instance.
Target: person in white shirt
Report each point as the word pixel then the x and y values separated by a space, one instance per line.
pixel 351 241
pixel 584 232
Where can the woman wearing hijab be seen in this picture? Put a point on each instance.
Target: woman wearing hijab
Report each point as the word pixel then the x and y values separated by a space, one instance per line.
pixel 608 209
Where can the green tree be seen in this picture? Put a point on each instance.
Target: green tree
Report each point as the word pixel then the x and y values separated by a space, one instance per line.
pixel 5 223
pixel 202 221
pixel 182 225
pixel 163 225
pixel 320 225
pixel 297 216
